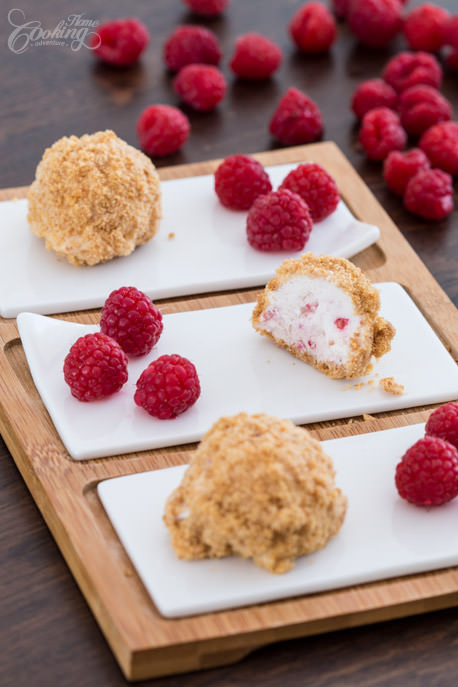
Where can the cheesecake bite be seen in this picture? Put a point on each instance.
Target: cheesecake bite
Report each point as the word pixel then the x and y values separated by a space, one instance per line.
pixel 94 198
pixel 324 310
pixel 256 487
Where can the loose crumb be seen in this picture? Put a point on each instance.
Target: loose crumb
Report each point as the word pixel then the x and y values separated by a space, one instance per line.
pixel 371 381
pixel 366 416
pixel 171 235
pixel 390 386
pixel 358 386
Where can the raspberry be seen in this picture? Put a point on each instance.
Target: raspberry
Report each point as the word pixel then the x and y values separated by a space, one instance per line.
pixel 191 45
pixel 279 220
pixel 168 387
pixel 201 86
pixel 340 8
pixel 120 42
pixel 371 94
pixel 450 34
pixel 313 28
pixel 424 27
pixel 207 8
pixel 297 119
pixel 95 367
pixel 412 68
pixel 427 474
pixel 399 168
pixel 440 143
pixel 443 423
pixel 162 129
pixel 316 187
pixel 375 22
pixel 420 107
pixel 131 319
pixel 381 132
pixel 430 194
pixel 239 180
pixel 255 57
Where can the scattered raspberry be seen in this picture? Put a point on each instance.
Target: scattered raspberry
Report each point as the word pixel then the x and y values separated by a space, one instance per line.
pixel 412 68
pixel 191 45
pixel 313 28
pixel 443 423
pixel 201 86
pixel 131 319
pixel 399 168
pixel 239 180
pixel 168 387
pixel 162 129
pixel 371 94
pixel 340 8
pixel 95 367
pixel 316 187
pixel 430 194
pixel 420 107
pixel 207 8
pixel 381 132
pixel 428 472
pixel 450 36
pixel 297 119
pixel 424 27
pixel 279 220
pixel 375 22
pixel 255 57
pixel 440 143
pixel 120 42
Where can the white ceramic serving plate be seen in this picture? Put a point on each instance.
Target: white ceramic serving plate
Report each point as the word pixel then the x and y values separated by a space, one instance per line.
pixel 382 535
pixel 209 252
pixel 239 370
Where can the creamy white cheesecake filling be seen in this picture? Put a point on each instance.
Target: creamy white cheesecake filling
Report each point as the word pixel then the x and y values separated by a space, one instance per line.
pixel 312 316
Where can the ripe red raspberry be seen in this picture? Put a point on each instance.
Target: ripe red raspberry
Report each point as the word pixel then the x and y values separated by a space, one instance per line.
pixel 316 187
pixel 371 94
pixel 443 423
pixel 191 45
pixel 162 129
pixel 313 28
pixel 420 107
pixel 207 8
pixel 297 119
pixel 412 68
pixel 381 132
pixel 255 57
pixel 168 387
pixel 201 86
pixel 340 8
pixel 239 180
pixel 120 42
pixel 131 319
pixel 399 168
pixel 424 27
pixel 375 22
pixel 430 194
pixel 427 474
pixel 450 35
pixel 440 143
pixel 95 367
pixel 279 220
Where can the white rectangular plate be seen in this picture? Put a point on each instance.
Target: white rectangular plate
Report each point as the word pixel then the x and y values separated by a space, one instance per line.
pixel 238 370
pixel 209 252
pixel 382 535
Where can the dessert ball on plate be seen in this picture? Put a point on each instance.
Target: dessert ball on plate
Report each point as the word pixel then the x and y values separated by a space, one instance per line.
pixel 94 198
pixel 324 310
pixel 257 487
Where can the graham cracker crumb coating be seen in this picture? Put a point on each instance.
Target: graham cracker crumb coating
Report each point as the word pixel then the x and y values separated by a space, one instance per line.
pixel 257 487
pixel 94 198
pixel 376 339
pixel 389 385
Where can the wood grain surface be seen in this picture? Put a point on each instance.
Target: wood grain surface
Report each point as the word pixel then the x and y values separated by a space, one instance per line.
pixel 48 635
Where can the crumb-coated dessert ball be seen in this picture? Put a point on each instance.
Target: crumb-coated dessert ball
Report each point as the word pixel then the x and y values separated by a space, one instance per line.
pixel 94 198
pixel 258 487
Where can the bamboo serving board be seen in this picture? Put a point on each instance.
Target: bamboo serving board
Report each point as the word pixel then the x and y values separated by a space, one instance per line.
pixel 144 643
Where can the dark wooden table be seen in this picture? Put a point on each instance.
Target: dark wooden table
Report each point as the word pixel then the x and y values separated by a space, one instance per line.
pixel 48 635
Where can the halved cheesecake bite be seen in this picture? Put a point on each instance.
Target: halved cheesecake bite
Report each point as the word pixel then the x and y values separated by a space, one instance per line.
pixel 324 310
